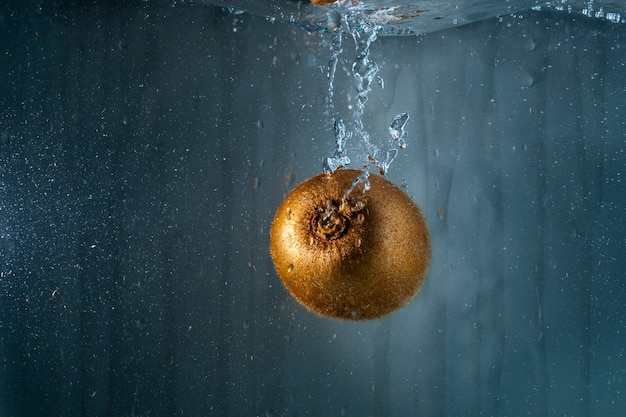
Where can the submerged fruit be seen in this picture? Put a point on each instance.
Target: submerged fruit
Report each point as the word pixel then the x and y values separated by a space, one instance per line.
pixel 322 2
pixel 327 2
pixel 356 257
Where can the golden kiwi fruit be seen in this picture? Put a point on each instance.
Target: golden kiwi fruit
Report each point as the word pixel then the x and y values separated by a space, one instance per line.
pixel 327 2
pixel 355 256
pixel 322 2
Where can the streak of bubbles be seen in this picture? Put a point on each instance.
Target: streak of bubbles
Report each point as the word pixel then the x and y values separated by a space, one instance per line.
pixel 334 22
pixel 340 158
pixel 364 71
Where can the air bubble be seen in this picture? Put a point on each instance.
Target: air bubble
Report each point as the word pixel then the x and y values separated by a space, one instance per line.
pixel 613 17
pixel 396 129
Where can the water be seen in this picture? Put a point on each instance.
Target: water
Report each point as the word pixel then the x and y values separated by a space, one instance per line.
pixel 127 186
pixel 337 50
pixel 364 31
pixel 409 18
pixel 397 129
pixel 364 70
pixel 361 182
pixel 340 158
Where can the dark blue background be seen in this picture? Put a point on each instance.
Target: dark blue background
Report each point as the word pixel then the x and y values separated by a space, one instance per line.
pixel 144 148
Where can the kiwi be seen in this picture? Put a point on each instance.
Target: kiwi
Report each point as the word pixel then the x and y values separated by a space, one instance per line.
pixel 356 257
pixel 322 2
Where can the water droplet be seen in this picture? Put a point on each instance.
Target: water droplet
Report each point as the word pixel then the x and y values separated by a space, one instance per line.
pixel 290 268
pixel 288 214
pixel 357 205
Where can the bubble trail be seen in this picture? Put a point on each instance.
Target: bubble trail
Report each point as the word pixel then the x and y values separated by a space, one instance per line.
pixel 340 158
pixel 337 50
pixel 364 71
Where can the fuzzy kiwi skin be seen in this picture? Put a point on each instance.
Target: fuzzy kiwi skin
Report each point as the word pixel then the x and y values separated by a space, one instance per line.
pixel 358 260
pixel 323 2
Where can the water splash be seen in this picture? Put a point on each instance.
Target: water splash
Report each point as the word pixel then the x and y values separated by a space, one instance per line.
pixel 364 71
pixel 337 50
pixel 340 158
pixel 361 182
pixel 383 166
